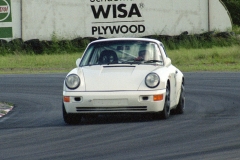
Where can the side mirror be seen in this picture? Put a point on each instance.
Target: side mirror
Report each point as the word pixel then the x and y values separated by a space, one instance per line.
pixel 168 62
pixel 78 61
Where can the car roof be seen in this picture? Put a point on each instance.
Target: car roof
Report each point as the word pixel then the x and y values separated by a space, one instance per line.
pixel 122 39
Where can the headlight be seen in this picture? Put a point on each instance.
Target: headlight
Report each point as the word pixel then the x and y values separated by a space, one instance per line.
pixel 152 80
pixel 72 81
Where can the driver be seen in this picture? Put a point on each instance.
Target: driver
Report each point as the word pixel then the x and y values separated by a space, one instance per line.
pixel 142 55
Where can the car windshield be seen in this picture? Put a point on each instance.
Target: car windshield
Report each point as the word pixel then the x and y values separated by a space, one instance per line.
pixel 122 52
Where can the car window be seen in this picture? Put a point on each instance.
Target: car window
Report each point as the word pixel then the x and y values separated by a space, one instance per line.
pixel 121 52
pixel 158 53
pixel 163 50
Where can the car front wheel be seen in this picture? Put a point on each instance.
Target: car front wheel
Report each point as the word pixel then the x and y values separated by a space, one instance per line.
pixel 166 110
pixel 70 118
pixel 181 104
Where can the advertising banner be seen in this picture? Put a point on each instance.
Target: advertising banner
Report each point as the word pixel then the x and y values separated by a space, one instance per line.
pixel 5 18
pixel 69 19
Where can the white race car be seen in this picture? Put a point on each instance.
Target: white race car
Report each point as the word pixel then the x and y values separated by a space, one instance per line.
pixel 123 75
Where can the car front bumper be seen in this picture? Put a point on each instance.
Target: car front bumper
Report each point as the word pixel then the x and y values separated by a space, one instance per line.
pixel 114 102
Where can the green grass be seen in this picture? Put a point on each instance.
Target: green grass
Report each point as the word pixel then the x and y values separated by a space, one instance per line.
pixel 210 59
pixel 38 63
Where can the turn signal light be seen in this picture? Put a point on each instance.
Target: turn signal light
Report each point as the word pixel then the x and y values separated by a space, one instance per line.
pixel 66 99
pixel 158 97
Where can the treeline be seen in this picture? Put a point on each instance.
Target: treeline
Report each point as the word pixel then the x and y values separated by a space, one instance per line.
pixel 233 7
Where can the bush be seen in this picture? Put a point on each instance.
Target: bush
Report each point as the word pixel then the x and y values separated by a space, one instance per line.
pixel 198 41
pixel 35 46
pixel 233 7
pixel 55 46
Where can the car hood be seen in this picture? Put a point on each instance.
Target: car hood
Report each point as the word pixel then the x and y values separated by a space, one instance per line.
pixel 112 78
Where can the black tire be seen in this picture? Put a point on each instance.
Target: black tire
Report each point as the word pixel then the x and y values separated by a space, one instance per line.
pixel 181 104
pixel 70 118
pixel 166 110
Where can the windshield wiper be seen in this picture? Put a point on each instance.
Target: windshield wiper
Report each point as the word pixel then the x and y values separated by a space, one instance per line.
pixel 132 62
pixel 152 61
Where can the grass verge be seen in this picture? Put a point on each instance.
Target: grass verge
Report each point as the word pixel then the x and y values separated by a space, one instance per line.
pixel 210 59
pixel 5 108
pixel 15 64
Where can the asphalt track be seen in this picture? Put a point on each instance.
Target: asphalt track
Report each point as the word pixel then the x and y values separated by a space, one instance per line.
pixel 209 129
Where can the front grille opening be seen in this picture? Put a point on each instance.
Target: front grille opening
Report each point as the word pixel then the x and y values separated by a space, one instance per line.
pixel 77 99
pixel 145 98
pixel 112 109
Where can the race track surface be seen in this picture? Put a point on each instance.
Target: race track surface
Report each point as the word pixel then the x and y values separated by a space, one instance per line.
pixel 34 129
